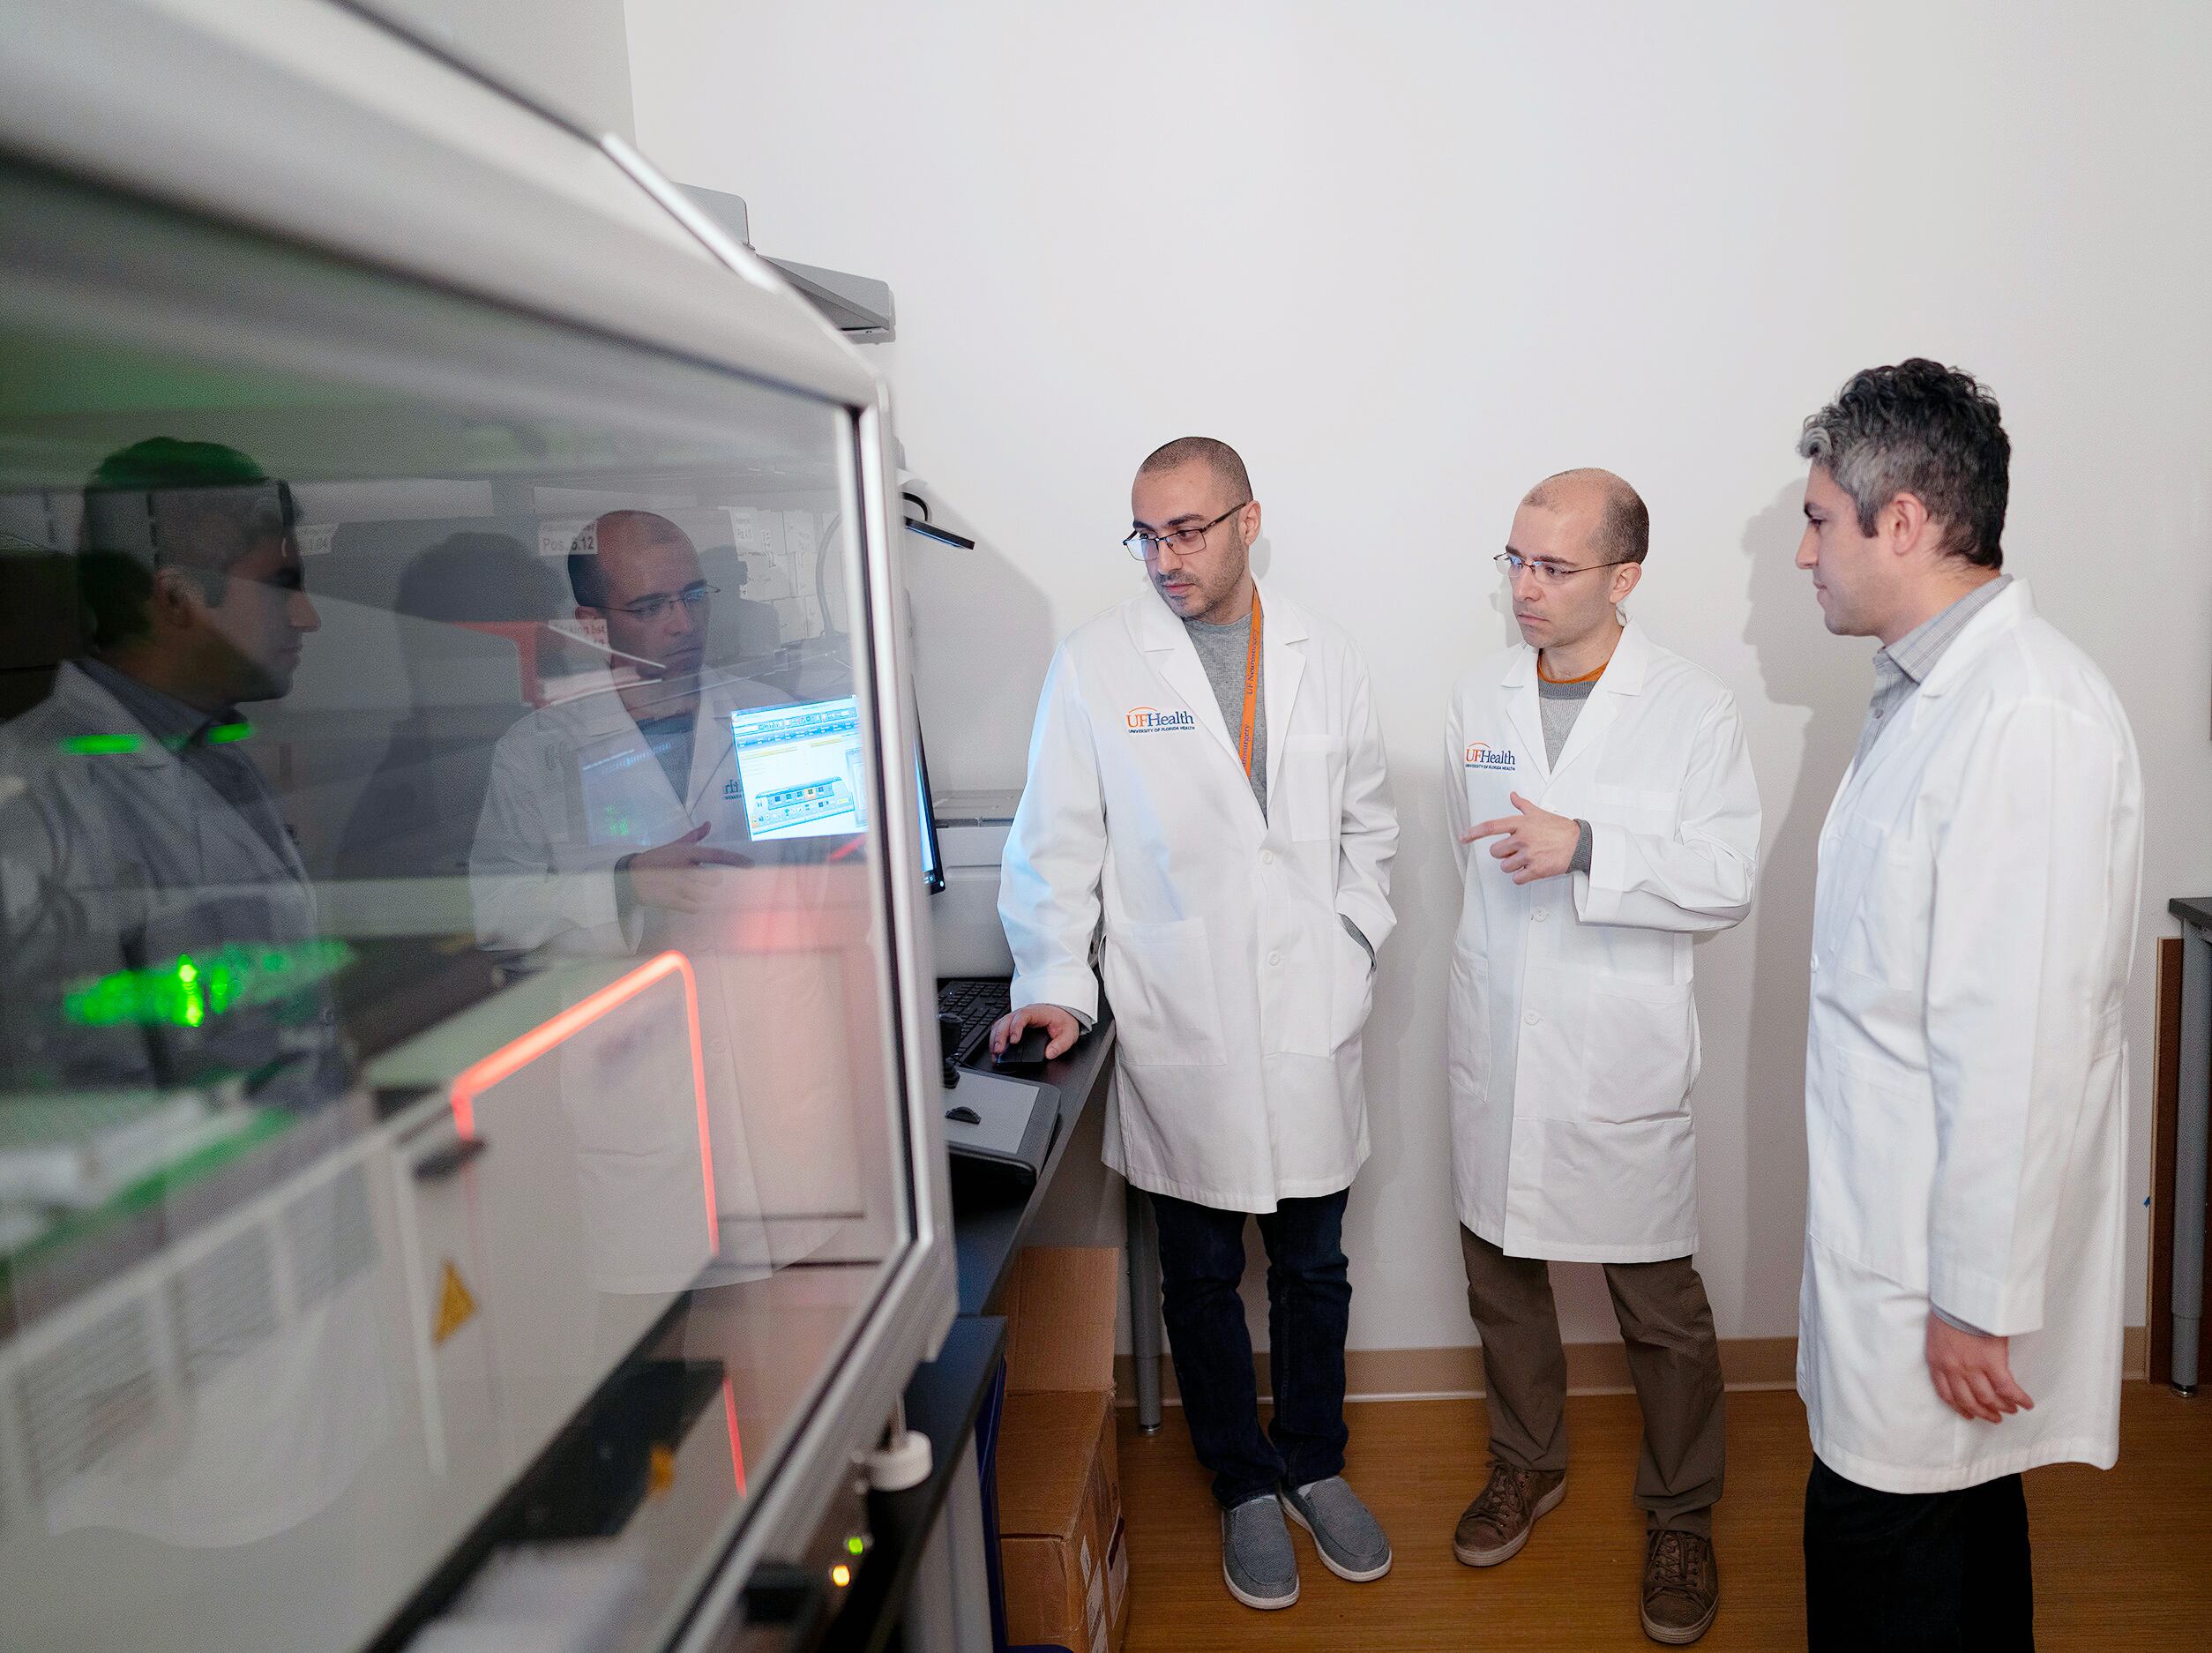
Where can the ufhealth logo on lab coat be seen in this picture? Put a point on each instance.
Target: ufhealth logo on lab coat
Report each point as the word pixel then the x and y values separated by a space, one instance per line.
pixel 1145 720
pixel 1481 757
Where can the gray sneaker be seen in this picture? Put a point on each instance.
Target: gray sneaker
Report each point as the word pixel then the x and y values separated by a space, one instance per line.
pixel 1257 1562
pixel 1349 1539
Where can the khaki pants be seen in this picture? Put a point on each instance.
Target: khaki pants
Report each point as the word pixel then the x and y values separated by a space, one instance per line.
pixel 1673 1359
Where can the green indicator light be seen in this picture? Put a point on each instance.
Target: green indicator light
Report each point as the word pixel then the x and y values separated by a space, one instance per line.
pixel 189 989
pixel 223 734
pixel 854 1546
pixel 89 746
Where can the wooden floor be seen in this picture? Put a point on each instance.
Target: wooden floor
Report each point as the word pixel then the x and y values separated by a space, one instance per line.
pixel 2123 1560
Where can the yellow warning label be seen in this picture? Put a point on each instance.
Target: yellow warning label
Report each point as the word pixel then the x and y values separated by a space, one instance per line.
pixel 455 1308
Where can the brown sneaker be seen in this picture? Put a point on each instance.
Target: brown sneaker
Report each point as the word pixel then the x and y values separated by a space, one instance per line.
pixel 1494 1528
pixel 1681 1587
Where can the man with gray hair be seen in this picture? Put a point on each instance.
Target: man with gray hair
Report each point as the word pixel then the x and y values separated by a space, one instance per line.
pixel 1965 1072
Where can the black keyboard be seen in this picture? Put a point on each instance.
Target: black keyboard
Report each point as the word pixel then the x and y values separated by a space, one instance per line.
pixel 976 1003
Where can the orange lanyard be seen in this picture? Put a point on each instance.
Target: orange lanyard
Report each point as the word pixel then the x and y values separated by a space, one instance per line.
pixel 1252 690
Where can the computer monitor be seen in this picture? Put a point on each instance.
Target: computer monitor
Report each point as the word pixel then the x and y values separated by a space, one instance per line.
pixel 805 777
pixel 802 769
pixel 932 857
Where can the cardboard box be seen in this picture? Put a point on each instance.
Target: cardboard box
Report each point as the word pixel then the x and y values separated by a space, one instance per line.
pixel 1063 1549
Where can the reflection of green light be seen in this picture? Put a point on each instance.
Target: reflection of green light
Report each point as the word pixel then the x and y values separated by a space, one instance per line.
pixel 99 746
pixel 854 1546
pixel 189 989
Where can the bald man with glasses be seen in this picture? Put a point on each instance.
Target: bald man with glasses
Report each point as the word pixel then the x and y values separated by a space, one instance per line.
pixel 1604 813
pixel 1207 792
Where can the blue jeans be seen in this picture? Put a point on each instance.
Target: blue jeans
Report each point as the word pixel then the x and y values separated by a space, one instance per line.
pixel 1309 1308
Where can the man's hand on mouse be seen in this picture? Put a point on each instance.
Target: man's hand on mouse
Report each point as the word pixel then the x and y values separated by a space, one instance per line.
pixel 677 877
pixel 1060 1027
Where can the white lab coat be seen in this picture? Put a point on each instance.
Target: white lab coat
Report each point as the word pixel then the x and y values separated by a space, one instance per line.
pixel 1237 994
pixel 117 860
pixel 574 787
pixel 1965 1072
pixel 1572 1033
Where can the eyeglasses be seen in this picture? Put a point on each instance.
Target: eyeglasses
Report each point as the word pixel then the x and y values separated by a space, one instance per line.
pixel 1141 544
pixel 1548 572
pixel 651 608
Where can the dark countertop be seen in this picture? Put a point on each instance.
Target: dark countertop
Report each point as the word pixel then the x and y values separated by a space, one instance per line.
pixel 987 1233
pixel 2196 909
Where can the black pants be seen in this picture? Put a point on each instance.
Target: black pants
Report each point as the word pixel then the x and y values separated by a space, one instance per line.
pixel 1916 1572
pixel 1309 1308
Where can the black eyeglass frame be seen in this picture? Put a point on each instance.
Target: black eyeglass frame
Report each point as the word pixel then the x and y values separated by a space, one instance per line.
pixel 1185 539
pixel 651 608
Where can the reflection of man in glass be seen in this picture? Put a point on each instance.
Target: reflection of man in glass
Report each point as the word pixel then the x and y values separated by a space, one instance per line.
pixel 612 827
pixel 625 799
pixel 147 882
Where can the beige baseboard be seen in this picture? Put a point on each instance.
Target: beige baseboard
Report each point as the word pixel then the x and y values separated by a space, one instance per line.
pixel 1376 1374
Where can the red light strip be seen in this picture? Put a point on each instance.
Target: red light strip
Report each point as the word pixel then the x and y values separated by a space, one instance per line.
pixel 510 1060
pixel 737 1451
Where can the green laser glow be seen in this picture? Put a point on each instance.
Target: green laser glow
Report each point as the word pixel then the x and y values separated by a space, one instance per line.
pixel 189 989
pixel 223 734
pixel 89 746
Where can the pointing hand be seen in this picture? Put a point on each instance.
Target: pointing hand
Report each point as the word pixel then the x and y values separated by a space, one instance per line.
pixel 1534 844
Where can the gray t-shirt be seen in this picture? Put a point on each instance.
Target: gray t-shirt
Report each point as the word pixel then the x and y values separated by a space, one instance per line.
pixel 1224 650
pixel 1560 704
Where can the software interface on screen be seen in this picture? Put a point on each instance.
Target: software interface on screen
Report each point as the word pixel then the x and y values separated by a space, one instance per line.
pixel 802 769
pixel 932 867
pixel 803 776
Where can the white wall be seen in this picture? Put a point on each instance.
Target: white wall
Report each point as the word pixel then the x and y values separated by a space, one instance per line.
pixel 570 54
pixel 1410 257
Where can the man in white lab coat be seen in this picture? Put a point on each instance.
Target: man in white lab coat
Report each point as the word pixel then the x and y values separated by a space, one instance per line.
pixel 622 801
pixel 610 828
pixel 1207 779
pixel 1608 782
pixel 1965 1073
pixel 136 831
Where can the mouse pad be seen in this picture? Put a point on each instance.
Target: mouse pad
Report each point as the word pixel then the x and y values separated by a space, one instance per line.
pixel 1003 1106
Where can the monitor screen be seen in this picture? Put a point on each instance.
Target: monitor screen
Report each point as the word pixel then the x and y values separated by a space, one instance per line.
pixel 932 858
pixel 803 774
pixel 805 777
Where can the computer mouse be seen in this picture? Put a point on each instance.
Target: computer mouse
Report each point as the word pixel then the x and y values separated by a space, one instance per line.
pixel 966 1115
pixel 1028 1050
